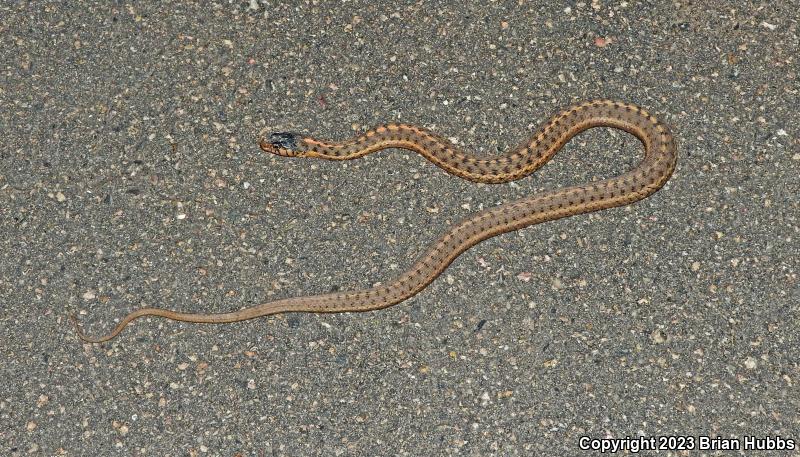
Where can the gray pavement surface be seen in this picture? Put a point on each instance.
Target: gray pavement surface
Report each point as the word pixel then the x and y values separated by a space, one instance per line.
pixel 130 177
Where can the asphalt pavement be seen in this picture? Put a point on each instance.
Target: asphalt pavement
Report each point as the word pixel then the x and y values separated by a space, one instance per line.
pixel 130 176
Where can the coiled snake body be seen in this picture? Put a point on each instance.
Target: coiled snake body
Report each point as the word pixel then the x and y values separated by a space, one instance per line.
pixel 638 183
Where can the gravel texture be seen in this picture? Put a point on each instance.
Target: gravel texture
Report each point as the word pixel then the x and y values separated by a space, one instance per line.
pixel 130 177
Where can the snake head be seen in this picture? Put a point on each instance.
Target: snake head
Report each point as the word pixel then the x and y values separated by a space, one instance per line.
pixel 284 144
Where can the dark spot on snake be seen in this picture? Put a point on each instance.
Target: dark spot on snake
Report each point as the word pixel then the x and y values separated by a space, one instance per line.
pixel 284 140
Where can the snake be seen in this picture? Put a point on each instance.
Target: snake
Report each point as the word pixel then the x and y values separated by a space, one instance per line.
pixel 652 172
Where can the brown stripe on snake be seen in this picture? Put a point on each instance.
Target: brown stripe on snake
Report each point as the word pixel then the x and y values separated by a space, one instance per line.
pixel 660 155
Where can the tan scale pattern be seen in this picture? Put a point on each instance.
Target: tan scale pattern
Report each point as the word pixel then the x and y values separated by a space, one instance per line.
pixel 649 176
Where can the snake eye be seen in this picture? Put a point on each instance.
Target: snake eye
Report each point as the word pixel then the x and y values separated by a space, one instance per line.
pixel 282 144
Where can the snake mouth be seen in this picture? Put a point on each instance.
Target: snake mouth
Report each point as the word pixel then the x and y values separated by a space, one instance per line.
pixel 284 144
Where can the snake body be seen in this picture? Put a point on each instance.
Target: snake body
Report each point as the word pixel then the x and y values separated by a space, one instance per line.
pixel 646 178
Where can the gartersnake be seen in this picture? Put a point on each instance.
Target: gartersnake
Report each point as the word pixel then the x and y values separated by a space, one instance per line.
pixel 638 183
